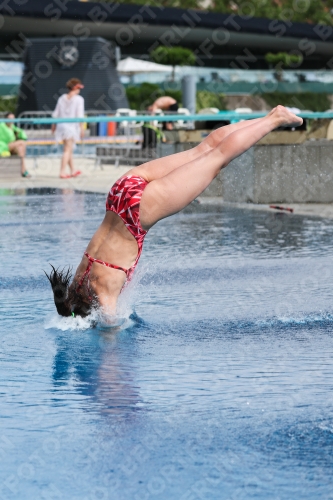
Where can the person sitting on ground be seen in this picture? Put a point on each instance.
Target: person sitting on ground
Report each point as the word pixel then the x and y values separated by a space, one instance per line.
pixel 12 141
pixel 70 105
pixel 166 103
pixel 142 197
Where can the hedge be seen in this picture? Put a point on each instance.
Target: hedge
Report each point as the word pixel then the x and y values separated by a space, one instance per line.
pixel 303 100
pixel 8 104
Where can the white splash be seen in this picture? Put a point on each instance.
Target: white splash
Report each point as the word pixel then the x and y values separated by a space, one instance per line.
pixel 99 319
pixel 68 323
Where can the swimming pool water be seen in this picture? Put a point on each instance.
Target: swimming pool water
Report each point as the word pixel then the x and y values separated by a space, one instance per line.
pixel 220 386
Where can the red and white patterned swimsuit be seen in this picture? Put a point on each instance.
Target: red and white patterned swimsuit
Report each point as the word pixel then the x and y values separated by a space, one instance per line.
pixel 124 199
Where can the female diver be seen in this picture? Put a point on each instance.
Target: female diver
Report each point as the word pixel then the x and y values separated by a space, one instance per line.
pixel 142 197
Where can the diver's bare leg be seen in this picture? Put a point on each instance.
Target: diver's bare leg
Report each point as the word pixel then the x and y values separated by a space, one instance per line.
pixel 167 195
pixel 67 152
pixel 155 169
pixel 19 148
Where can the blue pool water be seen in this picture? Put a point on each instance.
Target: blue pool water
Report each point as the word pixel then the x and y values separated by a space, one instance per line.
pixel 217 386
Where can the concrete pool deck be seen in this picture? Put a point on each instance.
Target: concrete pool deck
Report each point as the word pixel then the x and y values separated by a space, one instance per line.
pixel 310 209
pixel 96 180
pixel 46 175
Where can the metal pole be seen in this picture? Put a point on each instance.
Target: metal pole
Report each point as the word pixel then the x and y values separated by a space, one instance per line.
pixel 189 93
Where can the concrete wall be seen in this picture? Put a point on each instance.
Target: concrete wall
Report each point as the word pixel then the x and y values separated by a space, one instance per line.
pixel 275 173
pixel 298 173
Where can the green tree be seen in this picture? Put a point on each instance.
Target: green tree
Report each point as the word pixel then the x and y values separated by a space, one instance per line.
pixel 283 60
pixel 184 4
pixel 303 11
pixel 174 56
pixel 314 11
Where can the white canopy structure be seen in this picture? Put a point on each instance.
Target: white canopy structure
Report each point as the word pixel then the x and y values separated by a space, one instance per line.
pixel 131 66
pixel 11 72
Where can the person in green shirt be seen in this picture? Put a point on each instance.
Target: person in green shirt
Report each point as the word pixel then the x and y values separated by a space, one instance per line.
pixel 12 141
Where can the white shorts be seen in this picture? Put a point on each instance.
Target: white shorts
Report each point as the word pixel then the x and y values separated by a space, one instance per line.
pixel 67 131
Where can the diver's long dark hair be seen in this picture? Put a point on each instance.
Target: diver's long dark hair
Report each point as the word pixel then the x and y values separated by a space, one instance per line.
pixel 59 280
pixel 67 301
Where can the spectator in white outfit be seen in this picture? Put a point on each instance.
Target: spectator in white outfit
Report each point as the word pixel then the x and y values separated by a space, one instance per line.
pixel 70 105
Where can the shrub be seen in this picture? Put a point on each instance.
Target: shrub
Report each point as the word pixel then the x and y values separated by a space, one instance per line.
pixel 206 99
pixel 8 104
pixel 303 100
pixel 284 59
pixel 140 97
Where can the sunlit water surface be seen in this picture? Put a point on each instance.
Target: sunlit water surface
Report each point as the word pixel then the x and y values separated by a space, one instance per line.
pixel 217 386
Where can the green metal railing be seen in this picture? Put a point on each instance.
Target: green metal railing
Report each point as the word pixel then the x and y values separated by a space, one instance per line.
pixel 224 115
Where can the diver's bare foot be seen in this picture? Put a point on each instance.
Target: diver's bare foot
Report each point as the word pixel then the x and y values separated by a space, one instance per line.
pixel 285 118
pixel 271 111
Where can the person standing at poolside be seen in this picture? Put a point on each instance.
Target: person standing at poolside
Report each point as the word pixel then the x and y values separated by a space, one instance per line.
pixel 70 105
pixel 12 141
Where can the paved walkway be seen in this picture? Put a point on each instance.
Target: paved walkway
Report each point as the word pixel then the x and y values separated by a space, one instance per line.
pixel 46 175
pixel 98 180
